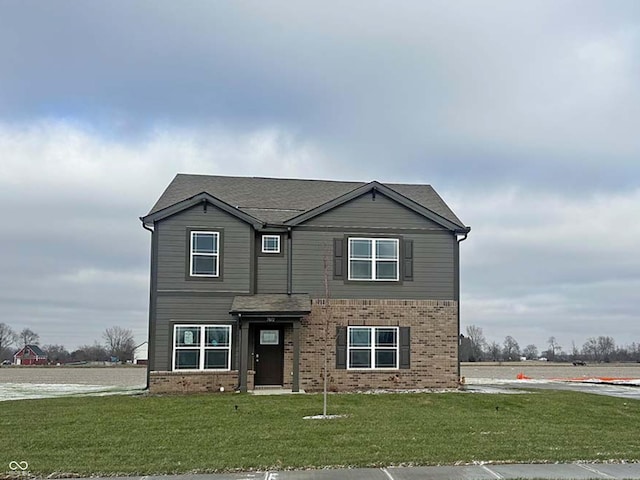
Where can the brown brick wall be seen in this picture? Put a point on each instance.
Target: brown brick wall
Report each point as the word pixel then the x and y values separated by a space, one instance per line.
pixel 192 382
pixel 434 344
pixel 434 350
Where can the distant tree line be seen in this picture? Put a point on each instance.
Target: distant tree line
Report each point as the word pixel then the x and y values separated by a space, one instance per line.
pixel 474 347
pixel 118 343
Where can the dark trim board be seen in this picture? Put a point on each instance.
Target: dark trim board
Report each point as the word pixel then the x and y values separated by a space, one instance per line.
pixel 202 198
pixel 200 293
pixel 377 230
pixel 374 187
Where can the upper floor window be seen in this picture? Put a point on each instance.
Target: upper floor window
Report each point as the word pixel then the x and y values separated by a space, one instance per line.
pixel 373 259
pixel 202 347
pixel 270 243
pixel 205 248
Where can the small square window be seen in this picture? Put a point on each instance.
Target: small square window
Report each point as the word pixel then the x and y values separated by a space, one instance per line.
pixel 271 244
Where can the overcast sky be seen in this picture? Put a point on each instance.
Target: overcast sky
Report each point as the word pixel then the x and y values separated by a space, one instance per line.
pixel 523 115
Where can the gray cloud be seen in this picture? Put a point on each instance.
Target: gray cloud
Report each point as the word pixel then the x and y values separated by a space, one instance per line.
pixel 522 114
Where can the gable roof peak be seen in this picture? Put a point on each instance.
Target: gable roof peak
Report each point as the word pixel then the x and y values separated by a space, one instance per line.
pixel 278 201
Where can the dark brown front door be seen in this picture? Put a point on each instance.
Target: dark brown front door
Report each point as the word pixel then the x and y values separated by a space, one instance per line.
pixel 269 355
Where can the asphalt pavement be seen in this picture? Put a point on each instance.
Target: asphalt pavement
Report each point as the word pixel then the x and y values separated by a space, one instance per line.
pixel 561 471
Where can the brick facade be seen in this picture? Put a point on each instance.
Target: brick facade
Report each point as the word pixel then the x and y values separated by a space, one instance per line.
pixel 434 350
pixel 434 344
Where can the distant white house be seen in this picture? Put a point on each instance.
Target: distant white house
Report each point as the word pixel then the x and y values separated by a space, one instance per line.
pixel 141 354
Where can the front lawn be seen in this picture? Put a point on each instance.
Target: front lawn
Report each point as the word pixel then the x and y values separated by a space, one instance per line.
pixel 206 433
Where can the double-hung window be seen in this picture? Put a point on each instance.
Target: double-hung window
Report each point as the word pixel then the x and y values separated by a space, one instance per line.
pixel 202 347
pixel 372 348
pixel 204 254
pixel 374 259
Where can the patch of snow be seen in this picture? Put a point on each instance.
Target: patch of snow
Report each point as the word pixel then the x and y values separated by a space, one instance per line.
pixel 502 381
pixel 27 391
pixel 323 417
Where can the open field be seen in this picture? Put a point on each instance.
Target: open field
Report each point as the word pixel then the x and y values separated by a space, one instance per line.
pixel 547 370
pixel 203 433
pixel 43 382
pixel 130 376
pixel 122 376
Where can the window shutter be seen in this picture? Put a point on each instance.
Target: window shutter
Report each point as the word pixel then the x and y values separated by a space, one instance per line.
pixel 405 347
pixel 341 347
pixel 407 260
pixel 338 258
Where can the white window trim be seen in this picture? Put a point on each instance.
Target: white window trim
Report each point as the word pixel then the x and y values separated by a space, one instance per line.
pixel 217 255
pixel 373 348
pixel 266 237
pixel 373 260
pixel 202 347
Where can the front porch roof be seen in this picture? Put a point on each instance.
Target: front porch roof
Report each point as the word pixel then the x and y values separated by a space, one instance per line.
pixel 272 305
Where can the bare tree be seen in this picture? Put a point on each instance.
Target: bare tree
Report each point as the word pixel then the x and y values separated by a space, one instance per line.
pixel 554 348
pixel 119 342
pixel 90 353
pixel 326 317
pixel 574 351
pixel 478 342
pixel 28 337
pixel 511 350
pixel 7 338
pixel 494 351
pixel 531 352
pixel 56 353
pixel 590 349
pixel 605 346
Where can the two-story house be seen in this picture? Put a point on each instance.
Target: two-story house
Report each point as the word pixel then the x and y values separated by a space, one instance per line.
pixel 255 280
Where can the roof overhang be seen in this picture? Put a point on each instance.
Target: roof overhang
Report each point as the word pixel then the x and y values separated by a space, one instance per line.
pixel 378 187
pixel 201 198
pixel 271 305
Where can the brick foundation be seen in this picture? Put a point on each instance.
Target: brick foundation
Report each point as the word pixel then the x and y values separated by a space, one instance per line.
pixel 192 382
pixel 434 344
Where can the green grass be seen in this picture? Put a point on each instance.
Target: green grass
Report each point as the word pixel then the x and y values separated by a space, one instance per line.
pixel 205 433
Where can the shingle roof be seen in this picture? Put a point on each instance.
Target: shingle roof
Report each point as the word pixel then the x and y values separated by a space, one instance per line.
pixel 275 200
pixel 35 349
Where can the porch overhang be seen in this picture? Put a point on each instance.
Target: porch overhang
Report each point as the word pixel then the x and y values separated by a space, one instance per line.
pixel 271 305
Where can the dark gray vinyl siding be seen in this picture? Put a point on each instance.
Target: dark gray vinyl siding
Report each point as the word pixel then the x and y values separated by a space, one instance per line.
pixel 365 211
pixel 173 250
pixel 433 251
pixel 186 309
pixel 272 272
pixel 433 268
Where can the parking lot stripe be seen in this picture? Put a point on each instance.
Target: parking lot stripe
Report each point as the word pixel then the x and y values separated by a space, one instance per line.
pixel 495 474
pixel 386 472
pixel 593 470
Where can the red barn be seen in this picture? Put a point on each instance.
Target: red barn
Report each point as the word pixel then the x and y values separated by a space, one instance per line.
pixel 30 355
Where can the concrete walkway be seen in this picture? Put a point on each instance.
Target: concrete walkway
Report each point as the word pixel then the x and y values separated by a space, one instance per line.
pixel 564 471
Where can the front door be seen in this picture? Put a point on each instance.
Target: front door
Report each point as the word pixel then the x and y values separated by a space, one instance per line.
pixel 269 355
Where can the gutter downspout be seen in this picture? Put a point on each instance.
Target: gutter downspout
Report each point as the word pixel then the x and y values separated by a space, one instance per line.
pixel 289 262
pixel 459 240
pixel 152 294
